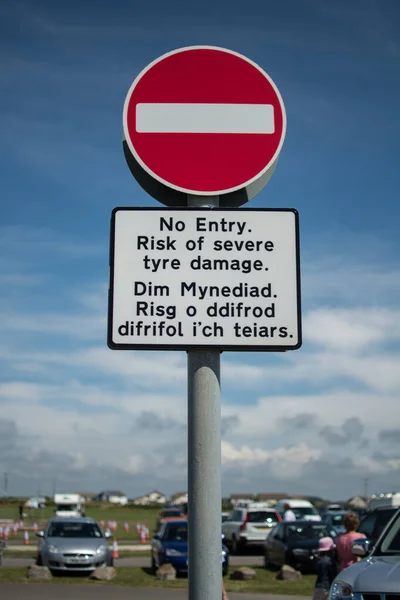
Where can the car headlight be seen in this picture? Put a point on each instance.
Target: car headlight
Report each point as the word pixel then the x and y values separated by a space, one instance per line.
pixel 300 552
pixel 52 549
pixel 173 552
pixel 100 549
pixel 341 591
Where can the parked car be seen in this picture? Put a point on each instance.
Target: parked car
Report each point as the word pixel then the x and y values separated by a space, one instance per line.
pixel 72 544
pixel 377 577
pixel 224 516
pixel 334 520
pixel 303 509
pixel 327 508
pixel 170 545
pixel 295 543
pixel 170 514
pixel 375 521
pixel 35 503
pixel 333 507
pixel 248 527
pixel 384 500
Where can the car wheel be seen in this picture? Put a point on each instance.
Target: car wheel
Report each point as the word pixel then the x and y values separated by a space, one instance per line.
pixel 235 545
pixel 290 560
pixel 110 562
pixel 267 564
pixel 39 560
pixel 153 565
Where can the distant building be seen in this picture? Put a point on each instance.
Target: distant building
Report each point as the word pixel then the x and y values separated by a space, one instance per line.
pixel 242 499
pixel 179 498
pixel 88 496
pixel 357 502
pixel 271 498
pixel 150 499
pixel 114 497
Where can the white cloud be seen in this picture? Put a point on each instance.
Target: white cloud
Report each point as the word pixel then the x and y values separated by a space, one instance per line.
pixel 18 390
pixel 351 329
pixel 79 327
pixel 76 393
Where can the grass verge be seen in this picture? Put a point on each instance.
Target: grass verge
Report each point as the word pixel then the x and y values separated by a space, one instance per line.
pixel 265 582
pixel 10 553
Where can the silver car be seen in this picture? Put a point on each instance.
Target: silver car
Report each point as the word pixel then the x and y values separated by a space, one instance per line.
pixel 73 544
pixel 376 577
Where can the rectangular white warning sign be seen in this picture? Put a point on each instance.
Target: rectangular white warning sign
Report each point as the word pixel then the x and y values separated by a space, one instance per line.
pixel 216 278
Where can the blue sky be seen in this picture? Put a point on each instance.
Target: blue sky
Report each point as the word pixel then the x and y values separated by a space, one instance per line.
pixel 318 420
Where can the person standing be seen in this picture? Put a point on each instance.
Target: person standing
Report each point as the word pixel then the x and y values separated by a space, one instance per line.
pixel 344 542
pixel 288 515
pixel 326 568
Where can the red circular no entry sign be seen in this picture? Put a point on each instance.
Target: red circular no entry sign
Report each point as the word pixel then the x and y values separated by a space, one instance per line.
pixel 204 121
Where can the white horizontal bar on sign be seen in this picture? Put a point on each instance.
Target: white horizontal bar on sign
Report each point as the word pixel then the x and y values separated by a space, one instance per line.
pixel 204 118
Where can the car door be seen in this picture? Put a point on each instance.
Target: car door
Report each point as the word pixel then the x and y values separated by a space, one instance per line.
pixel 382 519
pixel 231 524
pixel 156 544
pixel 367 525
pixel 274 544
pixel 281 547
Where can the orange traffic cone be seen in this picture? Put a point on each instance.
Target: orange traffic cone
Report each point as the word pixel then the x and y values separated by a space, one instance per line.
pixel 114 553
pixel 142 536
pixel 26 537
pixel 6 534
pixel 126 527
pixel 1 533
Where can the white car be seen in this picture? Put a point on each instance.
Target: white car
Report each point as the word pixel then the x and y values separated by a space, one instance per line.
pixel 248 526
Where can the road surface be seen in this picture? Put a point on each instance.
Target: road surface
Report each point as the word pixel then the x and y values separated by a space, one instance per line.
pixel 37 591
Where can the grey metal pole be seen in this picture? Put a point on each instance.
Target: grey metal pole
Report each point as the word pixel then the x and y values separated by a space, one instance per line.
pixel 204 465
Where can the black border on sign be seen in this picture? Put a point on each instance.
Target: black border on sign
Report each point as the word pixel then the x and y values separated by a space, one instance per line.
pixel 223 348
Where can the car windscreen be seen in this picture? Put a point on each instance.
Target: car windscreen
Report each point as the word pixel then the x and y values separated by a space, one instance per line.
pixel 303 511
pixel 337 519
pixel 176 533
pixel 74 530
pixel 171 513
pixel 390 543
pixel 306 532
pixel 262 516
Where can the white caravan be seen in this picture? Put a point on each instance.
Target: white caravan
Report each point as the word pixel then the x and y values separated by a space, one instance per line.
pixel 303 509
pixel 69 505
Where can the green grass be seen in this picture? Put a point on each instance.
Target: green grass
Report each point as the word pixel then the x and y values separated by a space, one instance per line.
pixel 265 582
pixel 31 552
pixel 101 512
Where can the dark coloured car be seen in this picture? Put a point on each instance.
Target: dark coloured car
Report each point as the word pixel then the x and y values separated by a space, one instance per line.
pixel 334 520
pixel 295 543
pixel 375 521
pixel 170 545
